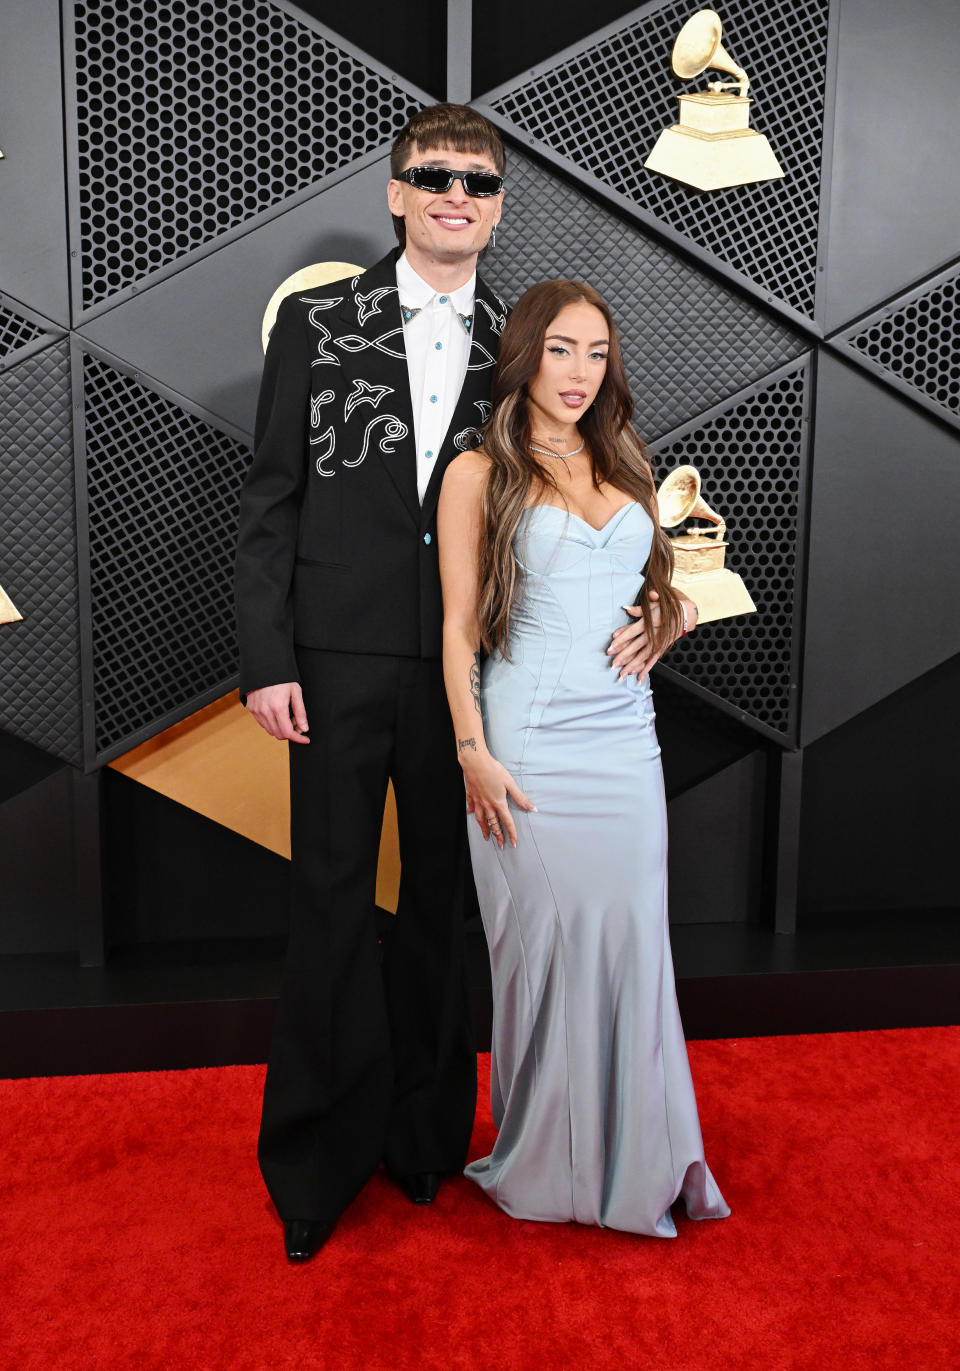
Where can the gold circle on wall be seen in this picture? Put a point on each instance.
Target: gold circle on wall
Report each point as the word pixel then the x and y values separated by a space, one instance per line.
pixel 307 278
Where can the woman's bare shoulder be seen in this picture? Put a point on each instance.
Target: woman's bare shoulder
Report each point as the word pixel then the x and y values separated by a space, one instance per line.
pixel 470 467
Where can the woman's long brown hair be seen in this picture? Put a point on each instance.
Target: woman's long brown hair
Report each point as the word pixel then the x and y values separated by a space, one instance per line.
pixel 619 459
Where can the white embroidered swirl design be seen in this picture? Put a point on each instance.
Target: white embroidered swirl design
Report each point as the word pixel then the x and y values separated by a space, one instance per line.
pixel 316 404
pixel 485 408
pixel 328 441
pixel 467 438
pixel 369 304
pixel 352 342
pixel 364 393
pixel 393 431
pixel 330 303
pixel 497 321
pixel 323 357
pixel 480 366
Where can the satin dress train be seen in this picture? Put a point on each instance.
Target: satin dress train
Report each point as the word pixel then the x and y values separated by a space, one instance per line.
pixel 591 1088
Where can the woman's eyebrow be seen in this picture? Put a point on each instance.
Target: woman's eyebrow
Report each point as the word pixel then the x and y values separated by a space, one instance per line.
pixel 600 342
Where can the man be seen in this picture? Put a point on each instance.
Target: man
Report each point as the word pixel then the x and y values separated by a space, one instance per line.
pixel 370 388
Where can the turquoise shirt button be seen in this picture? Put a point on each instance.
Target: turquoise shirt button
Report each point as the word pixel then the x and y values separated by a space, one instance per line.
pixel 443 299
pixel 427 539
pixel 428 454
pixel 433 399
pixel 438 346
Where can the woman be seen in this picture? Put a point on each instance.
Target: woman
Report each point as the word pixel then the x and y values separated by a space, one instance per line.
pixel 546 534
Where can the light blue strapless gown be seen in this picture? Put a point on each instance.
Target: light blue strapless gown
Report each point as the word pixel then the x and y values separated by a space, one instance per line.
pixel 591 1089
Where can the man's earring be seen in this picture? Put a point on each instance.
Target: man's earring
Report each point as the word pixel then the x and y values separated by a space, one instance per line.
pixel 493 237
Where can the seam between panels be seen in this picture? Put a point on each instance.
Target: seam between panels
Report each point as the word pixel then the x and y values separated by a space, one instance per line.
pixel 663 1065
pixel 526 977
pixel 566 1026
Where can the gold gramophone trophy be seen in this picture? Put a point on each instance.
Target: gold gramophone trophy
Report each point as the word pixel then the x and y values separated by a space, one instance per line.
pixel 698 555
pixel 713 146
pixel 9 614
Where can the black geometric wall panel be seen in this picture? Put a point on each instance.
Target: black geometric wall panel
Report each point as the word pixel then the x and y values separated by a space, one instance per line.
pixel 199 329
pixel 194 118
pixel 915 344
pixel 752 458
pixel 40 700
pixel 16 332
pixel 163 492
pixel 894 194
pixel 884 577
pixel 33 212
pixel 725 811
pixel 602 107
pixel 688 340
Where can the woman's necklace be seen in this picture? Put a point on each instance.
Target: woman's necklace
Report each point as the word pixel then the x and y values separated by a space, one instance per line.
pixel 548 452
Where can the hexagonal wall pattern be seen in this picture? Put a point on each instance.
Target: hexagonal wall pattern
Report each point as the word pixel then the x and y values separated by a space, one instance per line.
pixel 914 343
pixel 752 457
pixel 194 118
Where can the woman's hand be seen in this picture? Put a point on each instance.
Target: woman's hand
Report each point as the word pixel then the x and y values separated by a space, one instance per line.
pixel 631 646
pixel 488 784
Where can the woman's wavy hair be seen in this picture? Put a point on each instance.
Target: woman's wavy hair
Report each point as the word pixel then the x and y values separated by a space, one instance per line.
pixel 518 478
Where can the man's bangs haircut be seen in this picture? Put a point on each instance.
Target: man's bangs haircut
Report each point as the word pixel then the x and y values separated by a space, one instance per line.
pixel 448 126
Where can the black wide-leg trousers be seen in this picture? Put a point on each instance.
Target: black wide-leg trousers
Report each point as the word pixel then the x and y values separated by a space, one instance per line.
pixel 373 1055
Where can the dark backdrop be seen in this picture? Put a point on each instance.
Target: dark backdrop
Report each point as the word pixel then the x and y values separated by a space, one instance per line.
pixel 167 165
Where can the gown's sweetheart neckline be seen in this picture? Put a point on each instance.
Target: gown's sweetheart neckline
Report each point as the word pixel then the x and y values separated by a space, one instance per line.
pixel 568 513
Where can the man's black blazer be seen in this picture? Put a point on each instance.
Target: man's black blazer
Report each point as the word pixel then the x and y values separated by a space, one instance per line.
pixel 335 550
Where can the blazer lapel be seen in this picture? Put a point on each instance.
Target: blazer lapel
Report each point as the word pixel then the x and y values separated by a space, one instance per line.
pixel 473 407
pixel 371 348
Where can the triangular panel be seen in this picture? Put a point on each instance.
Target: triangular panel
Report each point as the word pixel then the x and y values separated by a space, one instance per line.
pixel 601 106
pixel 163 492
pixel 678 363
pixel 895 178
pixel 33 202
pixel 199 330
pixel 752 458
pixel 914 344
pixel 40 691
pixel 884 579
pixel 22 332
pixel 189 124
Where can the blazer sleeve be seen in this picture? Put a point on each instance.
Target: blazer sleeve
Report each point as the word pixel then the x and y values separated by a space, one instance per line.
pixel 270 504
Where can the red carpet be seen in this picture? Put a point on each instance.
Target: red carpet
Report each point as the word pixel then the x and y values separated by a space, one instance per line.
pixel 138 1235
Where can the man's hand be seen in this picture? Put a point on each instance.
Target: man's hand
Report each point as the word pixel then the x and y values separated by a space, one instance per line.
pixel 631 647
pixel 279 709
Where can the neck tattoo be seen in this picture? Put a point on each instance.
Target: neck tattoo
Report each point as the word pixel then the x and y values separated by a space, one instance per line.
pixel 549 452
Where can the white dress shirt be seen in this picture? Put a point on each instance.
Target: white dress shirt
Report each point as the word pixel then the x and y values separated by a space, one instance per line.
pixel 438 350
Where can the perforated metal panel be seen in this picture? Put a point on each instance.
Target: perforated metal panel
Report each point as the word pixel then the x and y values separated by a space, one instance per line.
pixel 40 699
pixel 916 342
pixel 15 332
pixel 680 359
pixel 163 491
pixel 192 118
pixel 604 108
pixel 752 460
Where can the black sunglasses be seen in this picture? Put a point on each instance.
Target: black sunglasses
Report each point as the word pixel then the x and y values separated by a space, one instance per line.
pixel 436 180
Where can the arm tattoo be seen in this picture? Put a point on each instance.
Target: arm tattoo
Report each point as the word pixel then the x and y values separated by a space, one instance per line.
pixel 463 743
pixel 475 681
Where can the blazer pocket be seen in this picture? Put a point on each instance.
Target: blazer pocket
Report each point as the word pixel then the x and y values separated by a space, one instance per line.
pixel 329 566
